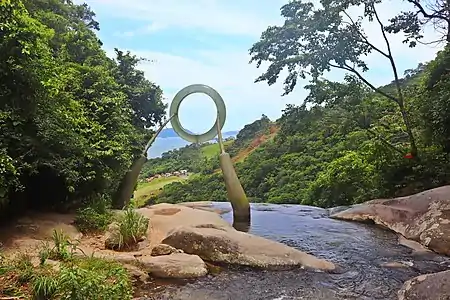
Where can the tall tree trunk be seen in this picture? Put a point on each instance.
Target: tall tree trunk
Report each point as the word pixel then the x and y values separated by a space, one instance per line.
pixel 408 125
pixel 400 99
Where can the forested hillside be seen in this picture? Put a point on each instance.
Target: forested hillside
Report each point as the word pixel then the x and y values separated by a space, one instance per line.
pixel 71 118
pixel 349 141
pixel 347 147
pixel 203 158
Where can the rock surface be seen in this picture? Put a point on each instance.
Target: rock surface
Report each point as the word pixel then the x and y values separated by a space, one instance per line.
pixel 166 217
pixel 427 287
pixel 136 273
pixel 226 245
pixel 163 249
pixel 177 265
pixel 423 217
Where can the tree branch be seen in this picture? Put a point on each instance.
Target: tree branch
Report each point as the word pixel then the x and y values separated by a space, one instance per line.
pixel 424 13
pixel 384 141
pixel 390 57
pixel 400 100
pixel 354 71
pixel 365 38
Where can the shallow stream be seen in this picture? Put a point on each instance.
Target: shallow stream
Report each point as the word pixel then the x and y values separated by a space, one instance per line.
pixel 360 250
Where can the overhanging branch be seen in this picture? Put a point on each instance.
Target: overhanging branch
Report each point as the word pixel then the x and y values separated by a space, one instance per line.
pixel 354 71
pixel 365 40
pixel 425 14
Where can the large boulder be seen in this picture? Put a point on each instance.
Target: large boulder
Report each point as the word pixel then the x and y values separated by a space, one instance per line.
pixel 177 265
pixel 229 246
pixel 427 287
pixel 165 217
pixel 423 217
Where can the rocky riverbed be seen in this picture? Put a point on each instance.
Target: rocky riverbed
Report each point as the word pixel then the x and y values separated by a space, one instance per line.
pixel 372 263
pixel 191 251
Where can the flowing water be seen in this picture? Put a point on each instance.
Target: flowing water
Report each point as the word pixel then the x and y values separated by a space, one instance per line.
pixel 358 249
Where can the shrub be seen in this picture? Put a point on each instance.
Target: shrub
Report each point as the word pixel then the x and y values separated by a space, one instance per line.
pixel 95 217
pixel 131 228
pixel 24 267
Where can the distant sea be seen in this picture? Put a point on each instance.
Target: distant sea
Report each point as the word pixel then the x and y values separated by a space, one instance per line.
pixel 169 140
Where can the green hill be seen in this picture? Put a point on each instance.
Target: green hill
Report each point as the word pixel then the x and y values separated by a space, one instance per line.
pixel 200 160
pixel 349 146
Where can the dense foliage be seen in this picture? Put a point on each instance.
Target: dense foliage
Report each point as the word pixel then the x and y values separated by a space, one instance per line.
pixel 71 119
pixel 350 141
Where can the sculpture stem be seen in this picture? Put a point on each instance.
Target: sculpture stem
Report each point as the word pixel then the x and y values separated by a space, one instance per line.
pixel 236 194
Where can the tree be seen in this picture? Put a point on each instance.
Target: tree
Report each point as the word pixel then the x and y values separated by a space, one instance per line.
pixel 68 113
pixel 424 12
pixel 314 40
pixel 144 96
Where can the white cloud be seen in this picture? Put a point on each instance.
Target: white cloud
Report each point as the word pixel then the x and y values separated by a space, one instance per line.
pixel 153 27
pixel 207 15
pixel 227 70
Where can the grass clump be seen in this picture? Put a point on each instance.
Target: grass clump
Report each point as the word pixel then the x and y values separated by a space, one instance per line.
pixel 68 277
pixel 62 248
pixel 94 278
pixel 95 217
pixel 130 229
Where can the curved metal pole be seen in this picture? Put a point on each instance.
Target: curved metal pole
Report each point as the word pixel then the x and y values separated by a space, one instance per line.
pixel 219 135
pixel 235 192
pixel 126 187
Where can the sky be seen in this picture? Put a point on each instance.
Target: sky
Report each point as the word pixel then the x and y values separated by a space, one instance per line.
pixel 207 41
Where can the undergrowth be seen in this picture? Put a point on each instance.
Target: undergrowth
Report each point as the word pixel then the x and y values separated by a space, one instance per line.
pixel 62 275
pixel 94 217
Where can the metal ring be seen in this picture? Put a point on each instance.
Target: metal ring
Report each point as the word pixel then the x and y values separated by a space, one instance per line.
pixel 175 105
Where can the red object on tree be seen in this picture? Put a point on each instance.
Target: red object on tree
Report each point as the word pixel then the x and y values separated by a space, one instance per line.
pixel 408 155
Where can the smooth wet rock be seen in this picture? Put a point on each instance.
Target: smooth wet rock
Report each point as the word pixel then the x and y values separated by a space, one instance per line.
pixel 416 247
pixel 136 273
pixel 337 209
pixel 397 264
pixel 427 287
pixel 423 217
pixel 166 217
pixel 163 249
pixel 177 265
pixel 226 245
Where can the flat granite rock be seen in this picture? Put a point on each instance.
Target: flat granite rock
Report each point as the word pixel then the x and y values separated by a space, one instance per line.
pixel 427 287
pixel 422 217
pixel 177 265
pixel 229 246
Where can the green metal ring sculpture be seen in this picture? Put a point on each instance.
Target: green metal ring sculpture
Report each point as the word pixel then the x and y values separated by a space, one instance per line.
pixel 221 113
